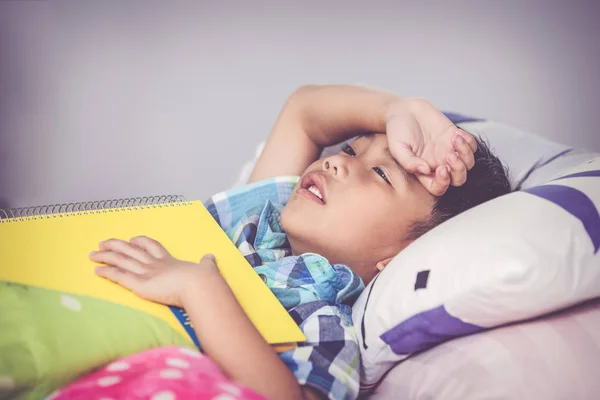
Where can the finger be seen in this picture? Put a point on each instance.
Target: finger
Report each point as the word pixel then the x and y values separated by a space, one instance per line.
pixel 441 181
pixel 426 180
pixel 119 260
pixel 409 161
pixel 153 247
pixel 208 260
pixel 121 246
pixel 470 139
pixel 465 153
pixel 458 169
pixel 119 276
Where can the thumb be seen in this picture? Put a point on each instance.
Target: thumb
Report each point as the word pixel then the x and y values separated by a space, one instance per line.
pixel 208 258
pixel 409 161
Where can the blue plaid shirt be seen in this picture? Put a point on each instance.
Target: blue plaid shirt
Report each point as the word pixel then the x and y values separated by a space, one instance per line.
pixel 317 295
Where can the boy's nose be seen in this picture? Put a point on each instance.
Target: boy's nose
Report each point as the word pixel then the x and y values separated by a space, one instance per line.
pixel 336 165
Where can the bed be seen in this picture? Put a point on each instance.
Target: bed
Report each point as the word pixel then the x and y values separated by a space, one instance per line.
pixel 542 340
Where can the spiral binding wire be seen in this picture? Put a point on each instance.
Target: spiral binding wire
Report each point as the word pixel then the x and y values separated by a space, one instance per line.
pixel 90 207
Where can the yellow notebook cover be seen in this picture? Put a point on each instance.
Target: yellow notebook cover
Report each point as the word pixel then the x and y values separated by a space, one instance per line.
pixel 52 251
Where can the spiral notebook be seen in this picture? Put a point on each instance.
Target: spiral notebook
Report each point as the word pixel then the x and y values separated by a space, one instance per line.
pixel 49 247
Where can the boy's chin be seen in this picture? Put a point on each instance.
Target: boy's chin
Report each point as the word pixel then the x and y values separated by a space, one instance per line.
pixel 285 216
pixel 296 218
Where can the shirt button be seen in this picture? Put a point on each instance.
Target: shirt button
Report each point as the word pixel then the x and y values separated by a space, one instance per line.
pixel 263 277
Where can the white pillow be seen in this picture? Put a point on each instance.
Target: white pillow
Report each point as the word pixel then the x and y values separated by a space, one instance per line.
pixel 522 255
pixel 531 159
pixel 554 357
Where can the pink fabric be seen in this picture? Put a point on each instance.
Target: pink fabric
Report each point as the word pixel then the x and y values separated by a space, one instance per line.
pixel 167 373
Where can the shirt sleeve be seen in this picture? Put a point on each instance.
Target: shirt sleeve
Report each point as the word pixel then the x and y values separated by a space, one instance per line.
pixel 228 207
pixel 329 360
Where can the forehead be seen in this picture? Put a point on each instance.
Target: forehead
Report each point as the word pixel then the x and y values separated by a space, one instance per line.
pixel 375 143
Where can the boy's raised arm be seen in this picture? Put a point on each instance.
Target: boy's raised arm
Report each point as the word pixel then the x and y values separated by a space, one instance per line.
pixel 315 117
pixel 421 138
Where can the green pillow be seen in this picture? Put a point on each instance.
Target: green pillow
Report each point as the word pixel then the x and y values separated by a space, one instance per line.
pixel 50 338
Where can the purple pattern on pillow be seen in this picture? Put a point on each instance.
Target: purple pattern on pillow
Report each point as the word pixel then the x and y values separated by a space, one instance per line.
pixel 425 330
pixel 581 174
pixel 576 203
pixel 459 118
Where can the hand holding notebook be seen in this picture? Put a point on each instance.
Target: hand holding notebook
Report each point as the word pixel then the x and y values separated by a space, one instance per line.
pixel 145 267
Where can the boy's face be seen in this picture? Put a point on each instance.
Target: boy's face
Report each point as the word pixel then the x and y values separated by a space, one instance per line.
pixel 355 207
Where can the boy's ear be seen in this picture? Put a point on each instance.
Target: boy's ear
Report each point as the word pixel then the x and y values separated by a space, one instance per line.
pixel 382 264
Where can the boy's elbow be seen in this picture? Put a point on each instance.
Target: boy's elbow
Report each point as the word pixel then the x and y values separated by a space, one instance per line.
pixel 304 89
pixel 302 92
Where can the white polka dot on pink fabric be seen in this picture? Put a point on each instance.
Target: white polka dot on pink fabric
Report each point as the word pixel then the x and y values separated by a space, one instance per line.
pixel 190 352
pixel 224 397
pixel 118 366
pixel 171 374
pixel 108 381
pixel 229 388
pixel 165 395
pixel 178 363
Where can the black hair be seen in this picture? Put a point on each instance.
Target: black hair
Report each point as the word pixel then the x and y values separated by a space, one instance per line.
pixel 487 180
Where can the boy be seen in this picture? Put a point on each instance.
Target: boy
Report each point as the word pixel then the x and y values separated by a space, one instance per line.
pixel 318 240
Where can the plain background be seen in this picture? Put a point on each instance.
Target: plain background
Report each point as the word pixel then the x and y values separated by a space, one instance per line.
pixel 103 99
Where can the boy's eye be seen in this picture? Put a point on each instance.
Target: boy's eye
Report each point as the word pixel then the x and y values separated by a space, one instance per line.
pixel 348 150
pixel 380 172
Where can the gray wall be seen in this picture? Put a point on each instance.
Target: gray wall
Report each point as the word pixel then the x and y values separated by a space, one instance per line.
pixel 120 99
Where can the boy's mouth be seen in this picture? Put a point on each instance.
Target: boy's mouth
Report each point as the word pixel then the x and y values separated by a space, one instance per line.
pixel 312 186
